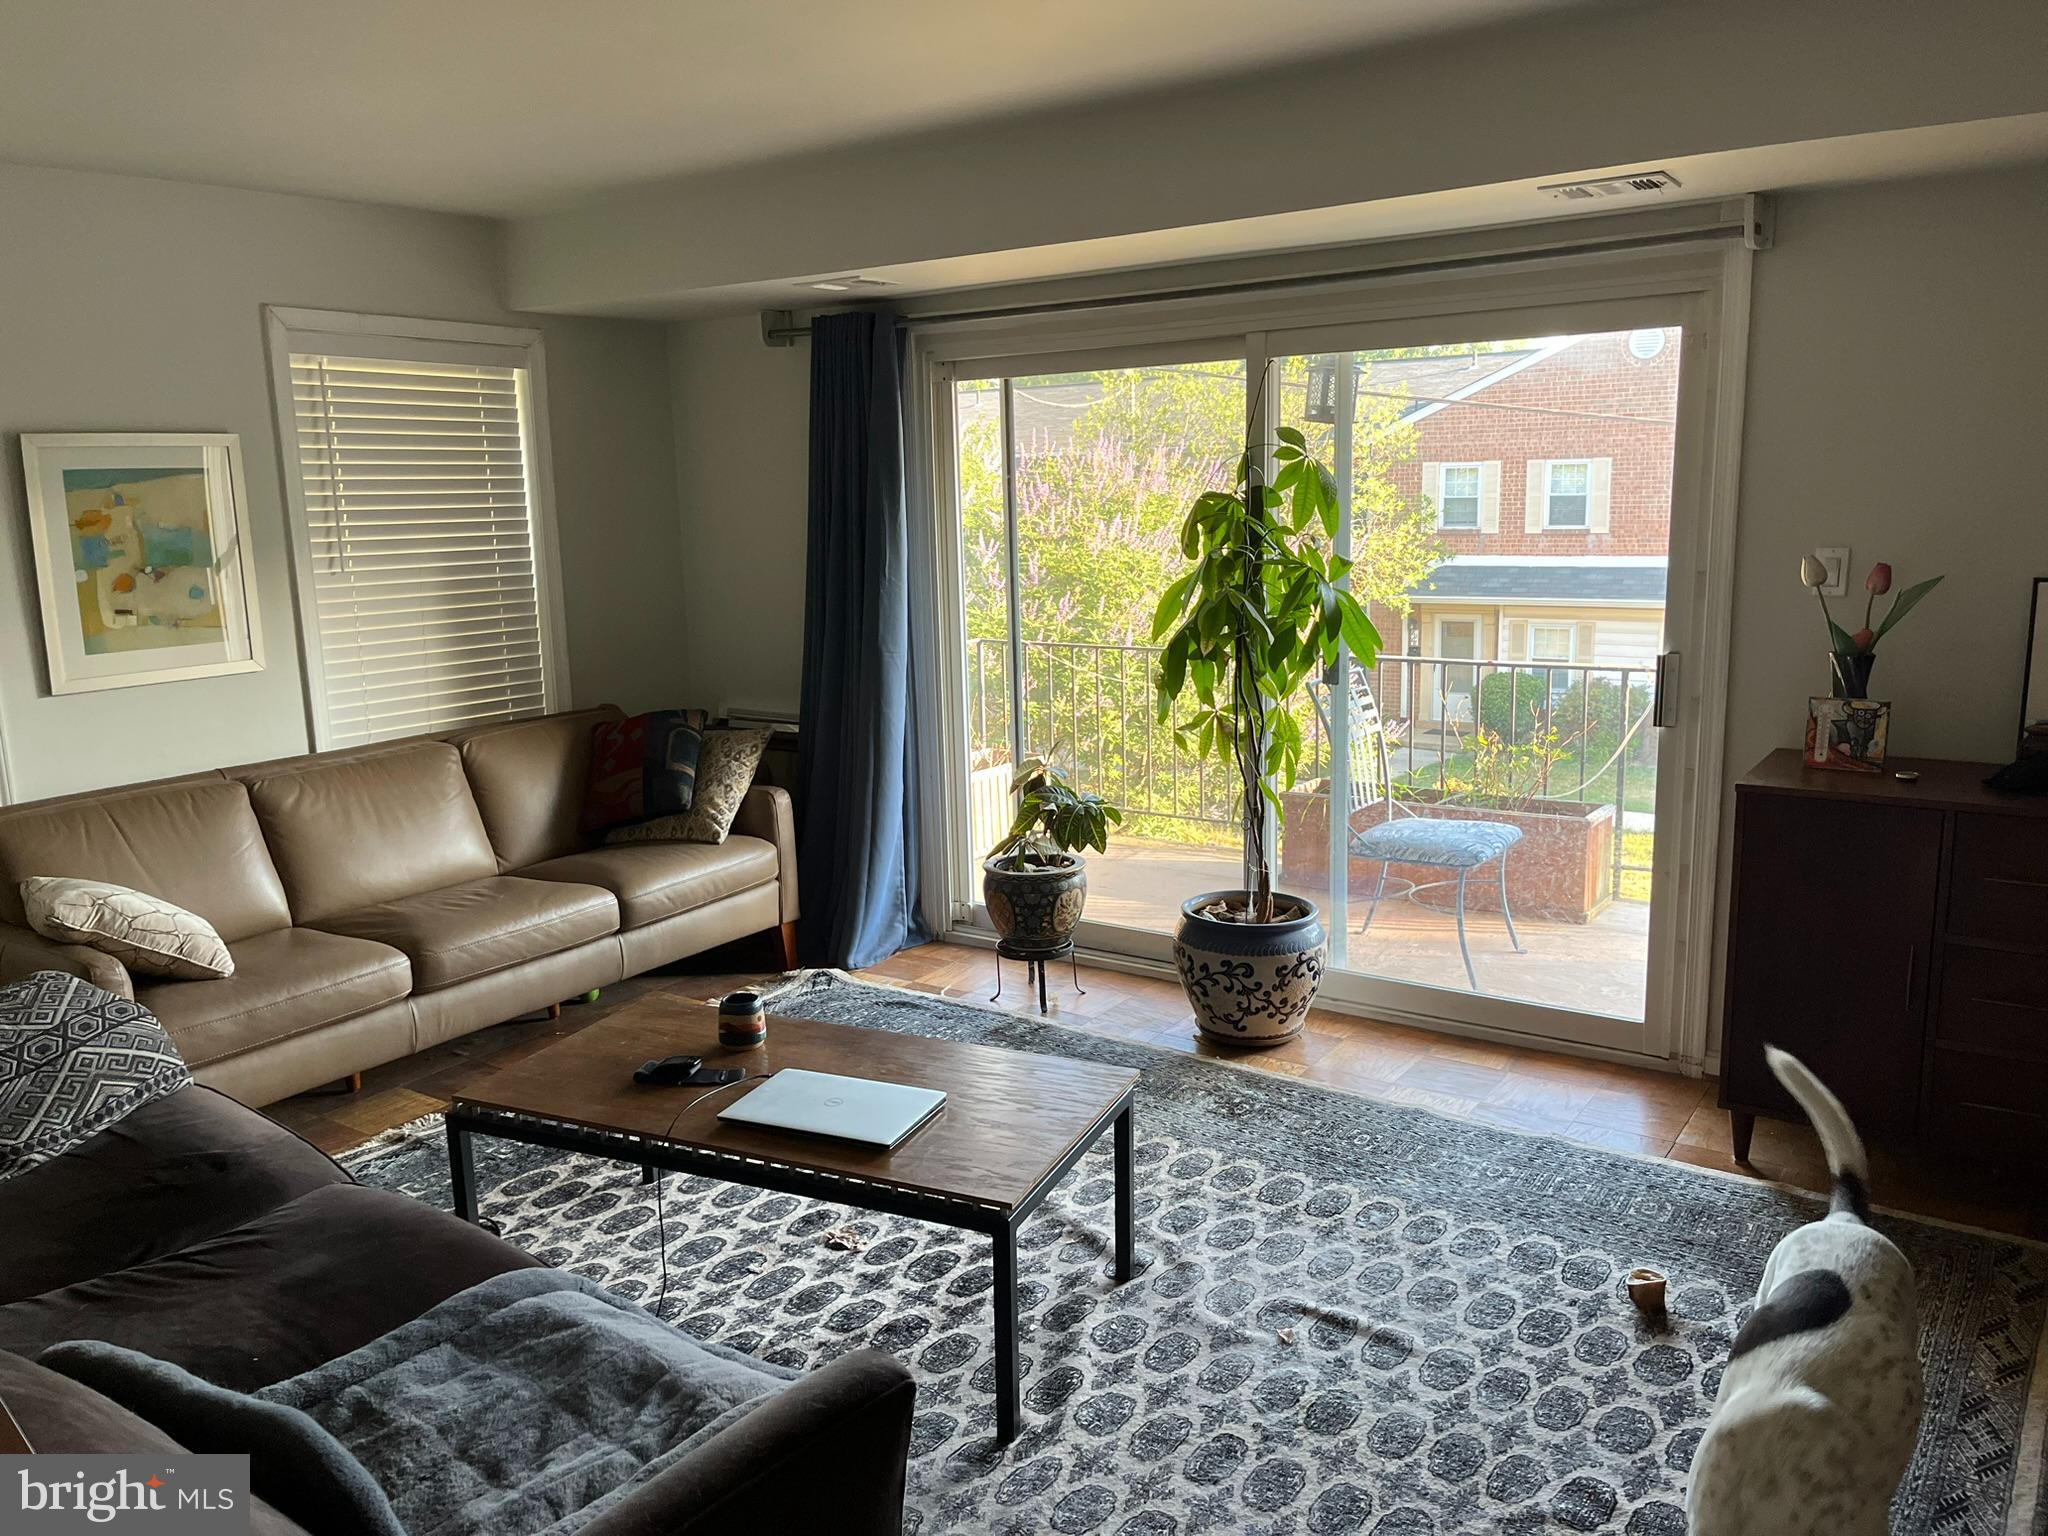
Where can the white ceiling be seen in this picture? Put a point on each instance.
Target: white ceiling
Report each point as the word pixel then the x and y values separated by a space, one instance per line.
pixel 510 106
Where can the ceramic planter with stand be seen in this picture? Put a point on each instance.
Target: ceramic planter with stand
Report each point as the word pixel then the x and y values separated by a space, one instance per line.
pixel 1251 984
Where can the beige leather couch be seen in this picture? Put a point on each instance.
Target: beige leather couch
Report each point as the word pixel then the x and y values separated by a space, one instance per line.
pixel 384 899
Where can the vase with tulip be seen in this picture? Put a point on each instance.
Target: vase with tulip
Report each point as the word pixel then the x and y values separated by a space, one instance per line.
pixel 1851 656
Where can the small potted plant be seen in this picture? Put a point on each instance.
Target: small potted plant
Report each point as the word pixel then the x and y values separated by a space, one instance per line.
pixel 1264 608
pixel 1035 882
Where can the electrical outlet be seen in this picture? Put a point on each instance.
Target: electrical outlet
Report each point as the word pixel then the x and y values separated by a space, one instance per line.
pixel 1837 562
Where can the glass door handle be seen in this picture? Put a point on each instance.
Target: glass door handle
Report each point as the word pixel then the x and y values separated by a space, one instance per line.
pixel 1664 701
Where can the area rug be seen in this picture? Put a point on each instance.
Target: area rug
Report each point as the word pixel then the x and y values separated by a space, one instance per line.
pixel 1349 1316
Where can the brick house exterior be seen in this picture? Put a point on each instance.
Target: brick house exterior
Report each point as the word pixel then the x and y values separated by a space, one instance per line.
pixel 1550 473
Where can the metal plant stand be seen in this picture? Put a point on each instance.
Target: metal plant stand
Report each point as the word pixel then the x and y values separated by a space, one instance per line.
pixel 1034 968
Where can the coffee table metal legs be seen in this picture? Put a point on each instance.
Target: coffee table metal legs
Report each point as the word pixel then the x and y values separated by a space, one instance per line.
pixel 461 1169
pixel 1005 1243
pixel 654 1159
pixel 1126 1185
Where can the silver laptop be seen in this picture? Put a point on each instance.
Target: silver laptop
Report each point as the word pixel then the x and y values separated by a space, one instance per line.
pixel 845 1108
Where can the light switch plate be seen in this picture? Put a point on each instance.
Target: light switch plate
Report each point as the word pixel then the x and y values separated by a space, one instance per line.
pixel 1837 562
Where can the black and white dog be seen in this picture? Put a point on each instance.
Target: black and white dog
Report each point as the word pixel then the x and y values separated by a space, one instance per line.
pixel 1820 1402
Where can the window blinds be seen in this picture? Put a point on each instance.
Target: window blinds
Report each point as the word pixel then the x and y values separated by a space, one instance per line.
pixel 419 525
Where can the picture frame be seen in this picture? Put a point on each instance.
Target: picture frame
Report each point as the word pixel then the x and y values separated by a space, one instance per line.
pixel 2034 677
pixel 142 557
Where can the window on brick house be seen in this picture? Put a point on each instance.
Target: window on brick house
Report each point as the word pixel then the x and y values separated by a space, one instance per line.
pixel 1568 493
pixel 1458 499
pixel 1553 642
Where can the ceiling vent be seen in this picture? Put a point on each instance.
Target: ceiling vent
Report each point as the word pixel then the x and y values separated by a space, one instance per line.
pixel 1635 184
pixel 849 284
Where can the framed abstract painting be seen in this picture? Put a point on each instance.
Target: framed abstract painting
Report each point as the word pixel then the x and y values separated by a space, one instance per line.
pixel 142 559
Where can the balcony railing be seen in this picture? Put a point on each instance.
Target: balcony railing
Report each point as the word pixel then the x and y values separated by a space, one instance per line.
pixel 1565 730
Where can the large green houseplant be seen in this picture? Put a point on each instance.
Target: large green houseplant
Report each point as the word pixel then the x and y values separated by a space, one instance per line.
pixel 1263 608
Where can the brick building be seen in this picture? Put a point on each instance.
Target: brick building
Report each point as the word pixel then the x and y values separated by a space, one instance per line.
pixel 1549 471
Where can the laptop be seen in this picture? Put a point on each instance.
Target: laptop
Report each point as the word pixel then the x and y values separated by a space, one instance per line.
pixel 845 1108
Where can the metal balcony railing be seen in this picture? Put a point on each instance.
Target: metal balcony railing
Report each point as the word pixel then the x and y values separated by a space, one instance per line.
pixel 1565 730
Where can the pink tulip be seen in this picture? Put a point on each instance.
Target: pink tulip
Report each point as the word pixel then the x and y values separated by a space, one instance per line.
pixel 1864 639
pixel 1879 581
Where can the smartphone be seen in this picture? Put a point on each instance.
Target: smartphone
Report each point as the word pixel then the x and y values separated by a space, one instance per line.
pixel 714 1077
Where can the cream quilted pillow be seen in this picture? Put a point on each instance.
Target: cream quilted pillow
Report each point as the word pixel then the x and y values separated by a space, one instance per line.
pixel 145 933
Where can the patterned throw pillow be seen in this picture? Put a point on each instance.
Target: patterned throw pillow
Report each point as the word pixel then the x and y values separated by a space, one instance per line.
pixel 644 765
pixel 725 772
pixel 144 932
pixel 74 1058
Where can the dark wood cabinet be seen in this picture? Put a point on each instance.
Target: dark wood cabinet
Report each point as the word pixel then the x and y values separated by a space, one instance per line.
pixel 1894 936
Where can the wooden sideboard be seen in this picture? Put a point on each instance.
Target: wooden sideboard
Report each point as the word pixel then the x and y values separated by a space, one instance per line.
pixel 1894 936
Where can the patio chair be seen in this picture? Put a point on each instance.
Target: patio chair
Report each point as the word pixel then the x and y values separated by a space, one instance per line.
pixel 1408 836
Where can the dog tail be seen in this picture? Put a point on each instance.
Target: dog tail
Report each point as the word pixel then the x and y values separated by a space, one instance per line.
pixel 1838 1138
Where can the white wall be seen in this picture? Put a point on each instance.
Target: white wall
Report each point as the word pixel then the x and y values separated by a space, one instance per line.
pixel 1896 404
pixel 742 428
pixel 135 305
pixel 1546 94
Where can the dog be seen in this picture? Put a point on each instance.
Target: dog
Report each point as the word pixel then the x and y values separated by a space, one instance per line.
pixel 1819 1404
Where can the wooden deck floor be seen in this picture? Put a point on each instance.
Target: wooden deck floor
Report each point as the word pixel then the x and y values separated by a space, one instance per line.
pixel 1598 967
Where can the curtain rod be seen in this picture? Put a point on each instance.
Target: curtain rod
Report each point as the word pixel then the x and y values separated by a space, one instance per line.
pixel 779 327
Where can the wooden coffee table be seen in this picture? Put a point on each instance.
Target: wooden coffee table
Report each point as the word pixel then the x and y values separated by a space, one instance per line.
pixel 1014 1124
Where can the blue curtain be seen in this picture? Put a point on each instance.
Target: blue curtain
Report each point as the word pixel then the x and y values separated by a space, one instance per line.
pixel 857 855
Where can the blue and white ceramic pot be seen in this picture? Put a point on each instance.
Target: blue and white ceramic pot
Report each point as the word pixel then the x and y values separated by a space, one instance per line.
pixel 1250 983
pixel 1035 909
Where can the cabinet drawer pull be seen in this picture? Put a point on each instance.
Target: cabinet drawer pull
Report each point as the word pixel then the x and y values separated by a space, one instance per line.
pixel 2032 885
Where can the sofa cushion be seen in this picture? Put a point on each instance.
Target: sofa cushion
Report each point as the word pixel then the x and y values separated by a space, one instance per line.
pixel 179 1169
pixel 482 926
pixel 657 880
pixel 527 777
pixel 725 772
pixel 148 935
pixel 193 842
pixel 354 829
pixel 641 766
pixel 411 1432
pixel 283 1292
pixel 74 1059
pixel 285 983
pixel 59 1416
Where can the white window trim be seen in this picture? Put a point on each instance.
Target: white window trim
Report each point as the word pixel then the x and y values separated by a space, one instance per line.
pixel 345 332
pixel 1550 469
pixel 1571 644
pixel 1478 495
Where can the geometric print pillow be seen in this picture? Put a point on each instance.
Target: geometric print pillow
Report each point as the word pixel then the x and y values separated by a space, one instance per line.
pixel 145 933
pixel 74 1059
pixel 725 772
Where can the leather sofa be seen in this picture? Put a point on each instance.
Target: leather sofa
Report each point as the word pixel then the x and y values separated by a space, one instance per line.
pixel 200 1232
pixel 383 899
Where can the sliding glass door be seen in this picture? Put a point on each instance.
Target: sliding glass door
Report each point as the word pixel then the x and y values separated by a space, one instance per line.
pixel 1071 491
pixel 1480 809
pixel 1479 817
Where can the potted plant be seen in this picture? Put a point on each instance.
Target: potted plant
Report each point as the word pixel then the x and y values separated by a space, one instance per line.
pixel 1850 657
pixel 1035 882
pixel 1262 609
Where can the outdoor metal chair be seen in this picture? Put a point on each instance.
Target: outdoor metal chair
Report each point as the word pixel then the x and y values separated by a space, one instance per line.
pixel 1408 836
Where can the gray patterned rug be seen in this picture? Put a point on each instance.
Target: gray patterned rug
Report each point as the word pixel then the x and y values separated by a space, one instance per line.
pixel 1349 1317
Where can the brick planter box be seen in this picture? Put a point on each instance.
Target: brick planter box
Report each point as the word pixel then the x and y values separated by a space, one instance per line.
pixel 1562 869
